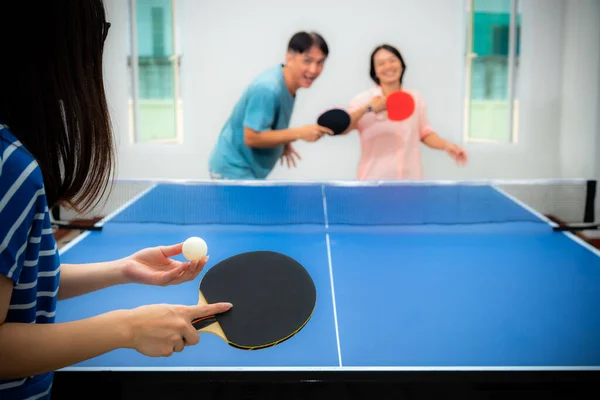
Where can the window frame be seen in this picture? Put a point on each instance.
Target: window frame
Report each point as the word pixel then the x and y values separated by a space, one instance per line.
pixel 513 60
pixel 134 101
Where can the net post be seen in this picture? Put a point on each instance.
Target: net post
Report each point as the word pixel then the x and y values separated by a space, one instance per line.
pixel 590 201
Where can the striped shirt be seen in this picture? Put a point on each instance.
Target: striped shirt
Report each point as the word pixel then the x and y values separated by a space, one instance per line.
pixel 28 253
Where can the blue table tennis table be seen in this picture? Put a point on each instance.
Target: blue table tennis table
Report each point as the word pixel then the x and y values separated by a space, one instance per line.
pixel 410 276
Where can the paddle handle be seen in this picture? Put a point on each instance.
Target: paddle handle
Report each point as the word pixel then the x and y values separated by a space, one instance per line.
pixel 203 322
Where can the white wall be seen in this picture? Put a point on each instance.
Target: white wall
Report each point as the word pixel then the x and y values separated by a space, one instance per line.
pixel 580 95
pixel 580 112
pixel 225 44
pixel 597 130
pixel 597 173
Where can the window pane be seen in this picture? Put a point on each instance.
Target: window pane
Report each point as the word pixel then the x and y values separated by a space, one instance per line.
pixel 157 98
pixel 492 78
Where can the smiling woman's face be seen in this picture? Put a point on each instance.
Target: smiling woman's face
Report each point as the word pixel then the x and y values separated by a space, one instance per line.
pixel 387 67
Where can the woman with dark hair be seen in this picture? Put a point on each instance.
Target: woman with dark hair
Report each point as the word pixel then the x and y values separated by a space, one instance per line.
pixel 390 149
pixel 56 147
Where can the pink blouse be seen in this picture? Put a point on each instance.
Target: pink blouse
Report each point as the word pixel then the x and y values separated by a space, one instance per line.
pixel 390 149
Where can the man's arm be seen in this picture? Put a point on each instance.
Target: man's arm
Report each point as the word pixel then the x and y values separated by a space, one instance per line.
pixel 260 114
pixel 269 138
pixel 30 349
pixel 259 117
pixel 272 138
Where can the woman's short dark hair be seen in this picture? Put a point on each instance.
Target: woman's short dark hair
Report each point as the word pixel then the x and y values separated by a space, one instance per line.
pixel 392 50
pixel 52 94
pixel 301 42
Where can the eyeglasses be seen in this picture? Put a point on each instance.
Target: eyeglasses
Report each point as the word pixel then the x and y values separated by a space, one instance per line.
pixel 105 28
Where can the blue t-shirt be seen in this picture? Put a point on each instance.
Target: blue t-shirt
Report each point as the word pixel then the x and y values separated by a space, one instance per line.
pixel 28 253
pixel 265 105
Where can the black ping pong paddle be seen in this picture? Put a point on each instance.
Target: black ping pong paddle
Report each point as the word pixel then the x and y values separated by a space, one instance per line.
pixel 273 298
pixel 335 119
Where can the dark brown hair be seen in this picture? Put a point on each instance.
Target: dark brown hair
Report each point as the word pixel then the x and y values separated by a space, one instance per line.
pixel 302 41
pixel 392 50
pixel 52 94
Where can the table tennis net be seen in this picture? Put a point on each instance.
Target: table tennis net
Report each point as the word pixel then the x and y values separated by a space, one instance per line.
pixel 341 203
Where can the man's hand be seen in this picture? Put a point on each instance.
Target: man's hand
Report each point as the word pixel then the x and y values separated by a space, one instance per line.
pixel 312 133
pixel 288 155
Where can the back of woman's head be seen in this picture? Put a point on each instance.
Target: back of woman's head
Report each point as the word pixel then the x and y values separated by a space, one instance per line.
pixel 52 94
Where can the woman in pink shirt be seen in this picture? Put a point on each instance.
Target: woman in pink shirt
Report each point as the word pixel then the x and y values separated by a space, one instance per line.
pixel 391 149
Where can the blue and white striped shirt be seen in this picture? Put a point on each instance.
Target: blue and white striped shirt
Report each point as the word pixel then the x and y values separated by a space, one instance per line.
pixel 28 252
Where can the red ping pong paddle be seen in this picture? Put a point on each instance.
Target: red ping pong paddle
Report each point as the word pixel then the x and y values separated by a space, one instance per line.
pixel 335 119
pixel 400 105
pixel 273 298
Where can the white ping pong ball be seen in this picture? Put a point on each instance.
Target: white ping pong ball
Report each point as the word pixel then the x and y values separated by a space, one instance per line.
pixel 194 248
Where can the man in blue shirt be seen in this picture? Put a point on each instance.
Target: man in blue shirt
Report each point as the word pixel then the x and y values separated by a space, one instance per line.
pixel 257 132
